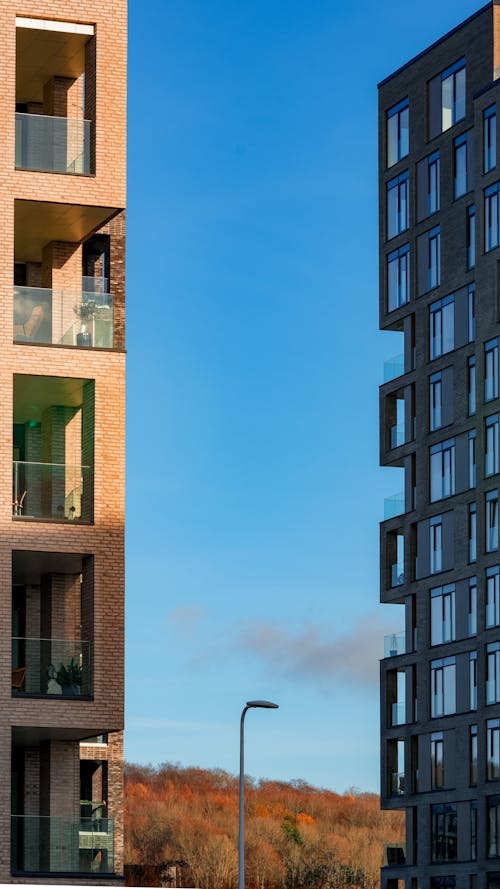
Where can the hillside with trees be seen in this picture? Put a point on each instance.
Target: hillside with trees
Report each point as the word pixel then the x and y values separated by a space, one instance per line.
pixel 297 836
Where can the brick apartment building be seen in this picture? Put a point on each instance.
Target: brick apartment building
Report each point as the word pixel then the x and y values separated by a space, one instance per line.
pixel 62 363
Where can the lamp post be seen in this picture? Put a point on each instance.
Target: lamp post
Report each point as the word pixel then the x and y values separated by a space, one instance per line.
pixel 266 705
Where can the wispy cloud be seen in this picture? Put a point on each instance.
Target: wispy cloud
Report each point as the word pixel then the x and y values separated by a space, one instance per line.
pixel 311 654
pixel 186 618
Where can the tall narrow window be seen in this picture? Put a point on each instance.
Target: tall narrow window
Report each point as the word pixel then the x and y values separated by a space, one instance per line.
pixel 433 183
pixel 472 458
pixel 442 460
pixel 436 544
pixel 444 833
pixel 493 748
pixel 397 205
pixel 453 94
pixel 397 132
pixel 437 764
pixel 493 838
pixel 443 614
pixel 472 615
pixel 472 533
pixel 436 401
pixel 491 369
pixel 491 521
pixel 460 166
pixel 493 673
pixel 471 313
pixel 473 680
pixel 398 278
pixel 490 138
pixel 442 326
pixel 471 236
pixel 473 755
pixel 493 596
pixel 473 830
pixel 471 374
pixel 443 692
pixel 491 228
pixel 434 259
pixel 491 457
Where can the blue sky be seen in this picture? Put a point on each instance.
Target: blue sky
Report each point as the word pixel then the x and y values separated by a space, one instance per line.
pixel 254 492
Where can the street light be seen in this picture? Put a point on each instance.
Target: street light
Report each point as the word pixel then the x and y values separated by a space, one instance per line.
pixel 266 705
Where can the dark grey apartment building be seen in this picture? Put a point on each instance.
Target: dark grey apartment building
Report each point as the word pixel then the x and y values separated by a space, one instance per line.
pixel 440 421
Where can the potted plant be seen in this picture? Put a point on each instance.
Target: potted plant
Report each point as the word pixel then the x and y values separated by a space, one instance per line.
pixel 69 678
pixel 85 311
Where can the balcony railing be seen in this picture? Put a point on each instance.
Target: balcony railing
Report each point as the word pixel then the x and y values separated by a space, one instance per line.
pixel 46 844
pixel 394 854
pixel 398 713
pixel 62 317
pixel 394 367
pixel 397 783
pixel 398 435
pixel 58 492
pixel 397 575
pixel 394 644
pixel 93 284
pixel 52 144
pixel 50 667
pixel 93 809
pixel 394 506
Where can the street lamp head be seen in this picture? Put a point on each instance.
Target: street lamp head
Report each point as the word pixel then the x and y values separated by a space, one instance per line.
pixel 268 705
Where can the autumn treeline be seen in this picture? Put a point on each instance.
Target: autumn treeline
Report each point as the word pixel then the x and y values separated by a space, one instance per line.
pixel 297 836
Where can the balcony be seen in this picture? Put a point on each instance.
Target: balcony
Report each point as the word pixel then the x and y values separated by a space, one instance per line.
pixel 394 644
pixel 394 506
pixel 397 783
pixel 398 435
pixel 61 317
pixel 47 844
pixel 397 575
pixel 52 144
pixel 51 667
pixel 398 713
pixel 57 492
pixel 394 367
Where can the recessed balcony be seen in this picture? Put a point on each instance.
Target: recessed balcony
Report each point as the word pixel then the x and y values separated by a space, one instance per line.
pixel 48 844
pixel 57 492
pixel 50 667
pixel 52 144
pixel 62 317
pixel 394 506
pixel 394 644
pixel 394 367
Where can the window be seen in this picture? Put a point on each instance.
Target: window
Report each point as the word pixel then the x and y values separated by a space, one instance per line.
pixel 493 673
pixel 460 166
pixel 436 544
pixel 398 278
pixel 491 521
pixel 493 596
pixel 493 749
pixel 443 693
pixel 472 532
pixel 437 770
pixel 453 94
pixel 491 369
pixel 472 615
pixel 436 401
pixel 472 458
pixel 473 755
pixel 471 313
pixel 433 183
pixel 473 680
pixel 493 827
pixel 444 833
pixel 471 373
pixel 443 614
pixel 442 326
pixel 398 141
pixel 491 216
pixel 397 205
pixel 490 138
pixel 471 236
pixel 447 882
pixel 491 461
pixel 473 830
pixel 442 459
pixel 433 259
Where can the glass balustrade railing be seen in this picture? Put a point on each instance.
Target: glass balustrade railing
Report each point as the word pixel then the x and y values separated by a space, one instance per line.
pixel 398 713
pixel 398 435
pixel 397 783
pixel 59 492
pixel 394 644
pixel 63 317
pixel 394 506
pixel 48 844
pixel 393 368
pixel 52 144
pixel 50 667
pixel 397 575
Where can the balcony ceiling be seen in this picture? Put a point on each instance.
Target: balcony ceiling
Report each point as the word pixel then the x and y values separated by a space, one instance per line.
pixel 41 55
pixel 37 223
pixel 34 735
pixel 28 567
pixel 34 394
